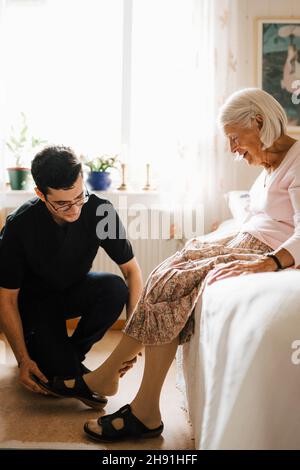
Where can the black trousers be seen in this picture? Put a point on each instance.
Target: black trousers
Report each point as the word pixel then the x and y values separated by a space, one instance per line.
pixel 98 299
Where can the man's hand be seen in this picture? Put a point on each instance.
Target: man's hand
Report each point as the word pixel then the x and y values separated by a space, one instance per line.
pixel 27 368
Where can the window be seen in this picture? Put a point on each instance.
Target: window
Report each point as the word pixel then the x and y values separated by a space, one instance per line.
pixel 62 67
pixel 103 76
pixel 162 88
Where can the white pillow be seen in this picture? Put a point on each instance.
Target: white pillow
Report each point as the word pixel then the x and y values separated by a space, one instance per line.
pixel 239 204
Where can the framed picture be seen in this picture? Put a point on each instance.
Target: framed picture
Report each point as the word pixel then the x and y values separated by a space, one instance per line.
pixel 278 64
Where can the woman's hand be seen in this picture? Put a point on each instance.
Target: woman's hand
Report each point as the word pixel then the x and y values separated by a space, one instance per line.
pixel 242 265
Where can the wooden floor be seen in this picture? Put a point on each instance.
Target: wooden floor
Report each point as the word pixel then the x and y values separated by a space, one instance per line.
pixel 35 421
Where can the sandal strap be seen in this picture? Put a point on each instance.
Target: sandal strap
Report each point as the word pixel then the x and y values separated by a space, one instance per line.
pixel 83 389
pixel 80 388
pixel 132 425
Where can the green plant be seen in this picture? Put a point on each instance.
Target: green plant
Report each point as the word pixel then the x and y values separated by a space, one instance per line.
pixel 20 142
pixel 102 163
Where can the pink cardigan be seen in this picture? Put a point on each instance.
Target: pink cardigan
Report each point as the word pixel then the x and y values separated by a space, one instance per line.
pixel 274 216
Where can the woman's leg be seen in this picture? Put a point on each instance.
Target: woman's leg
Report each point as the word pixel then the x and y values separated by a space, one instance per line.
pixel 145 405
pixel 158 360
pixel 105 379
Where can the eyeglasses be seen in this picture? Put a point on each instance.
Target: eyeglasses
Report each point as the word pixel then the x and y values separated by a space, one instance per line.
pixel 66 207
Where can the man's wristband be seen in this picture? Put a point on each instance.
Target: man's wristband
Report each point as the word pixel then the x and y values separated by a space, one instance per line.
pixel 274 257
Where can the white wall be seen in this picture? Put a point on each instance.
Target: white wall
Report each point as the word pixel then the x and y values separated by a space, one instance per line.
pixel 249 10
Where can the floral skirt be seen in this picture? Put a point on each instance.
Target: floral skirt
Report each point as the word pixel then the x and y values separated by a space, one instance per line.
pixel 166 306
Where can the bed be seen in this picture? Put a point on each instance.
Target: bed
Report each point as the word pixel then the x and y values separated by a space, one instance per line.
pixel 241 370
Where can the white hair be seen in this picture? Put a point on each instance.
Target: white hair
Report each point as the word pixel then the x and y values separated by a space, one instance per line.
pixel 244 105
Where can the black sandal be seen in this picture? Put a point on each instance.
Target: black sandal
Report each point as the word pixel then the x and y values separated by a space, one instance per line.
pixel 133 427
pixel 80 391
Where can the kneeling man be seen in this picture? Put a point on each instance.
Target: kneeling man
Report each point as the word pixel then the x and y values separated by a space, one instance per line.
pixel 47 248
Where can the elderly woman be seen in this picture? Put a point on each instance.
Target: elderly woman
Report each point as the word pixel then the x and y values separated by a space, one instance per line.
pixel 269 240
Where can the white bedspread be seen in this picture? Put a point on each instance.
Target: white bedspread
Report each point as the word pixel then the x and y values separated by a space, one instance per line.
pixel 243 390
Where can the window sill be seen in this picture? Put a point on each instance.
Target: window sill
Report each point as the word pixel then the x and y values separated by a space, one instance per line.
pixel 14 198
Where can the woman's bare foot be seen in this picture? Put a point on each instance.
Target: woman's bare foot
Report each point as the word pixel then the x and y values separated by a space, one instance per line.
pixel 100 383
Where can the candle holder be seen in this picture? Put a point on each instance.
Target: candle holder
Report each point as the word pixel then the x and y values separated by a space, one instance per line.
pixel 123 186
pixel 148 186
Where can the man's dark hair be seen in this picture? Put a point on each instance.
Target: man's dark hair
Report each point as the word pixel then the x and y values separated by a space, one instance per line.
pixel 56 167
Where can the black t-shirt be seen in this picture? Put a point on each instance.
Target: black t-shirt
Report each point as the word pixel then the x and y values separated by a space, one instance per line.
pixel 38 254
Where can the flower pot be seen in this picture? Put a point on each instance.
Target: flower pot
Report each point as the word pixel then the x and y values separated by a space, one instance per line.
pixel 99 180
pixel 18 177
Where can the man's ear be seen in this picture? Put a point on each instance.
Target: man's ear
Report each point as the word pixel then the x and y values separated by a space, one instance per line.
pixel 259 120
pixel 39 194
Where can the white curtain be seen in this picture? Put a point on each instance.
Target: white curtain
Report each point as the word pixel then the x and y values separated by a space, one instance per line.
pixel 216 77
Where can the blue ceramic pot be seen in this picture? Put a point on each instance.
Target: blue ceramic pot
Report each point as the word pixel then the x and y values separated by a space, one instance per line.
pixel 99 180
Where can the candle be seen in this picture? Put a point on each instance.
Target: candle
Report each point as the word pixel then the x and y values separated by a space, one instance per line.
pixel 147 186
pixel 123 186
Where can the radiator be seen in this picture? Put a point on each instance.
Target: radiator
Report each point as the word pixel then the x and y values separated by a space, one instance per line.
pixel 150 232
pixel 149 253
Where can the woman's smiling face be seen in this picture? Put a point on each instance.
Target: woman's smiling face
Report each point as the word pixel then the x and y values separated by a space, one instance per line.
pixel 246 141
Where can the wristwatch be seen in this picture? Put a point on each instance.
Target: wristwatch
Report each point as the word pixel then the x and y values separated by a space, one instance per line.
pixel 274 257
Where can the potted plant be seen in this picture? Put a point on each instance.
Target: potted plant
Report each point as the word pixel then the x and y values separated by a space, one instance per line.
pixel 20 144
pixel 99 178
